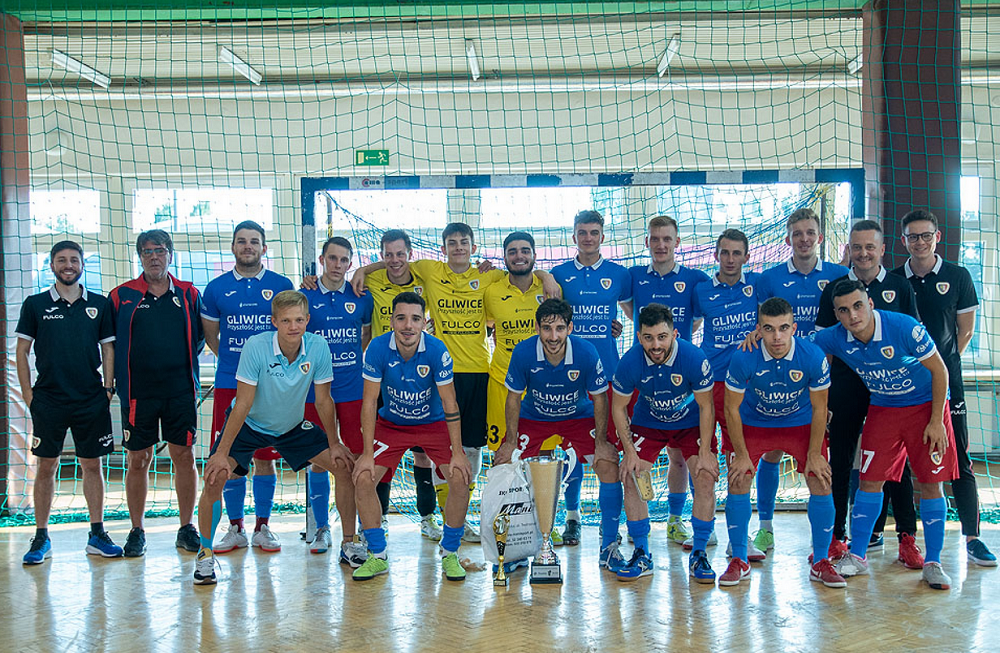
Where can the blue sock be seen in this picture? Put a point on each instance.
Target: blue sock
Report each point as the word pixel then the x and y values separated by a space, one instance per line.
pixel 376 539
pixel 573 487
pixel 702 531
pixel 611 499
pixel 263 495
pixel 821 515
pixel 768 477
pixel 452 538
pixel 639 530
pixel 675 503
pixel 738 511
pixel 319 497
pixel 206 540
pixel 867 508
pixel 932 514
pixel 235 495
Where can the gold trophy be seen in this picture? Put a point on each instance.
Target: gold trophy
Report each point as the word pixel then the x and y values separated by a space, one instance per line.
pixel 545 475
pixel 500 527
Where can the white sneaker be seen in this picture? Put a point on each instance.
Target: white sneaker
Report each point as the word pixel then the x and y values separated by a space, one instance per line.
pixel 471 534
pixel 321 541
pixel 429 528
pixel 235 538
pixel 204 568
pixel 753 553
pixel 713 540
pixel 851 565
pixel 354 553
pixel 266 540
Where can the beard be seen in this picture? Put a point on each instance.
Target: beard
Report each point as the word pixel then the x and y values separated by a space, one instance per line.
pixel 60 280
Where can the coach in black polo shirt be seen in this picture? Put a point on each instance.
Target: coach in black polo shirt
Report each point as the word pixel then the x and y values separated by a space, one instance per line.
pixel 947 301
pixel 159 336
pixel 849 397
pixel 73 335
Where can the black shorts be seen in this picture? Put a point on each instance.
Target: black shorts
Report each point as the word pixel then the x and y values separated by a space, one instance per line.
pixel 297 447
pixel 470 392
pixel 143 420
pixel 89 422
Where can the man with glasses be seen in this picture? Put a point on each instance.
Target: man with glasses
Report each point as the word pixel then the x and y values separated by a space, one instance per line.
pixel 158 341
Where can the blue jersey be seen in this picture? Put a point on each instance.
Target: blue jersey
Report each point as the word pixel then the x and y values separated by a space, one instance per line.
pixel 776 390
pixel 282 385
pixel 594 292
pixel 802 291
pixel 339 316
pixel 890 364
pixel 730 314
pixel 675 289
pixel 666 391
pixel 556 392
pixel 242 307
pixel 409 387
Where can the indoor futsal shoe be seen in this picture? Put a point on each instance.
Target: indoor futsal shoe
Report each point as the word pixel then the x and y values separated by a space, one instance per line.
pixel 452 566
pixel 611 558
pixel 39 552
pixel 734 573
pixel 713 540
pixel 374 565
pixel 187 538
pixel 980 554
pixel 135 543
pixel 204 567
pixel 909 552
pixel 430 529
pixel 322 541
pixel 100 544
pixel 571 534
pixel 753 553
pixel 266 540
pixel 700 568
pixel 556 537
pixel 354 553
pixel 639 566
pixel 851 565
pixel 823 572
pixel 934 576
pixel 677 531
pixel 235 538
pixel 471 534
pixel 764 540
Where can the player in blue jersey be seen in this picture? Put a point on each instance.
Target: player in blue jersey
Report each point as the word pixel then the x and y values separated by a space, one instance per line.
pixel 565 394
pixel 665 281
pixel 674 410
pixel 800 281
pixel 909 417
pixel 237 305
pixel 412 371
pixel 776 399
pixel 274 375
pixel 594 287
pixel 344 321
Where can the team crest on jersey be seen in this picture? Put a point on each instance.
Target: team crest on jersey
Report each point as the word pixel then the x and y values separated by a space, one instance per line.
pixel 92 312
pixel 822 283
pixel 606 284
pixel 37 442
pixel 795 375
pixel 679 286
pixel 748 291
pixel 936 457
pixel 305 367
pixel 126 434
pixel 474 284
pixel 177 301
pixel 676 379
pixel 573 375
pixel 888 296
pixel 423 370
pixel 540 298
pixel 267 294
pixel 419 290
pixel 306 425
pixel 350 306
pixel 942 287
pixel 887 351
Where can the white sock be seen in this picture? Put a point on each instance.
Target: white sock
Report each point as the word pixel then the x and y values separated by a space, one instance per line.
pixel 766 525
pixel 573 514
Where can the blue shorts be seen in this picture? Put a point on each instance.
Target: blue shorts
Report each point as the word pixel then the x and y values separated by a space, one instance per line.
pixel 297 447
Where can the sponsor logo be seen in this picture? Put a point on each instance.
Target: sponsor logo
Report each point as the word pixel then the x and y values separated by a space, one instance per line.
pixel 679 286
pixel 573 375
pixel 177 301
pixel 306 425
pixel 536 370
pixel 887 351
pixel 54 308
pixel 762 372
pixel 446 358
pixel 474 284
pixel 852 350
pixel 393 363
pixel 274 365
pixel 106 440
pixel 317 306
pixel 267 294
pixel 676 379
pixel 795 375
pixel 788 284
pixel 92 312
pixel 942 287
pixel 606 284
pixel 644 282
pixel 706 368
pixel 230 293
pixel 748 291
pixel 936 457
pixel 423 370
pixel 713 297
pixel 822 284
pixel 936 470
pixel 305 367
pixel 350 306
pixel 918 332
pixel 888 296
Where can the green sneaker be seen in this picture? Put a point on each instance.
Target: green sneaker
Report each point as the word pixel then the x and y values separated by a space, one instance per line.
pixel 677 531
pixel 453 569
pixel 556 538
pixel 372 567
pixel 764 540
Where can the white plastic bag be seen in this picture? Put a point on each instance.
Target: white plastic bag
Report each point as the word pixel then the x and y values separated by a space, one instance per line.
pixel 507 492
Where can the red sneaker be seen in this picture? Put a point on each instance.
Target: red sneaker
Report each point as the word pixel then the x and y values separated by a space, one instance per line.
pixel 823 572
pixel 838 549
pixel 735 572
pixel 909 552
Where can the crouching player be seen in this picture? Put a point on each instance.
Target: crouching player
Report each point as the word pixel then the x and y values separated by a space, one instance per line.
pixel 275 372
pixel 674 411
pixel 776 400
pixel 413 372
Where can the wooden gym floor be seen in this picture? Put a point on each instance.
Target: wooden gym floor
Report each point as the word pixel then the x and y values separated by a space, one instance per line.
pixel 292 601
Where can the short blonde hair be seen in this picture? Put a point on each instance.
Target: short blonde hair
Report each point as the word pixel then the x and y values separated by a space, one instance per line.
pixel 289 299
pixel 663 221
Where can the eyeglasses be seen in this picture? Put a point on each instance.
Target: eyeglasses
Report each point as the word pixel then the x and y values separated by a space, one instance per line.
pixel 155 251
pixel 927 237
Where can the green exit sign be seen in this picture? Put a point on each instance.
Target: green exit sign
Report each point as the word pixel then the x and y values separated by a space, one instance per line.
pixel 371 158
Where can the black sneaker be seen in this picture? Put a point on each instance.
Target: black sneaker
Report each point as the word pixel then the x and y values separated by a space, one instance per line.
pixel 135 544
pixel 188 538
pixel 571 534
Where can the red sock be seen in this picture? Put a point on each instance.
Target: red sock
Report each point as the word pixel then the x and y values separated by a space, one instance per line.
pixel 238 522
pixel 260 522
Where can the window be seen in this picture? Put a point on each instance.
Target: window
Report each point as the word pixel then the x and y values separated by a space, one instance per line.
pixel 343 212
pixel 91 278
pixel 972 254
pixel 512 208
pixel 65 211
pixel 201 210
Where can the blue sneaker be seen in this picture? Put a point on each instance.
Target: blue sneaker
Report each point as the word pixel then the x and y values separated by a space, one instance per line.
pixel 980 554
pixel 40 551
pixel 101 545
pixel 877 542
pixel 511 565
pixel 700 568
pixel 611 558
pixel 640 565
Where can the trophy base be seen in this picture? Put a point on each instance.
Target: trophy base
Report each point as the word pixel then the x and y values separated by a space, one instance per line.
pixel 546 574
pixel 501 582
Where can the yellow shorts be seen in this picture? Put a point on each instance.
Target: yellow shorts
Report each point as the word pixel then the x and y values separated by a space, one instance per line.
pixel 496 422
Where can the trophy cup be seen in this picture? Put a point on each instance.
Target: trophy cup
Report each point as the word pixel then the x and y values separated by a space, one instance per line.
pixel 546 475
pixel 500 527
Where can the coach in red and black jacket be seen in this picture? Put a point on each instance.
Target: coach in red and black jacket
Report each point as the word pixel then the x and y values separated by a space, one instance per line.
pixel 158 339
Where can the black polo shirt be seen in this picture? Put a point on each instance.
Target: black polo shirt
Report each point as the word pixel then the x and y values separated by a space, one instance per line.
pixel 888 291
pixel 161 364
pixel 945 292
pixel 67 339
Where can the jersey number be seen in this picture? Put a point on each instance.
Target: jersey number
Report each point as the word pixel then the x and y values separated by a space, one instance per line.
pixel 866 459
pixel 637 443
pixel 380 448
pixel 494 436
